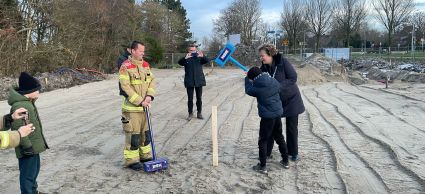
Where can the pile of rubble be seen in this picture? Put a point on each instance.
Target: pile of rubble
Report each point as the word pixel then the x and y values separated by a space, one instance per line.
pixel 375 69
pixel 418 68
pixel 60 78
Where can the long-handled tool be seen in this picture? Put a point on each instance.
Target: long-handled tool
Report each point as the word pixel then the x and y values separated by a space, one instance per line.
pixel 155 164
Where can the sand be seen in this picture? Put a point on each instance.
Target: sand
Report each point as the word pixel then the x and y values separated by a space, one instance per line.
pixel 353 139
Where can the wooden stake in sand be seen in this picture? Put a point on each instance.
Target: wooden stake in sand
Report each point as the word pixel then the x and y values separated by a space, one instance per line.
pixel 214 135
pixel 388 78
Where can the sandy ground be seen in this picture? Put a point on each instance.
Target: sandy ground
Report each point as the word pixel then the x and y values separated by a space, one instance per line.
pixel 352 140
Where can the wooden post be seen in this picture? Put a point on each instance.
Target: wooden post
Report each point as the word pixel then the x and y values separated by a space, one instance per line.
pixel 386 81
pixel 388 77
pixel 45 81
pixel 214 135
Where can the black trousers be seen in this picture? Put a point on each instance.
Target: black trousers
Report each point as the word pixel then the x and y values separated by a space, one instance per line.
pixel 291 137
pixel 29 167
pixel 198 91
pixel 271 129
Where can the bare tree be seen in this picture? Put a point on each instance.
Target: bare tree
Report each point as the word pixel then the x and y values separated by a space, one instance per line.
pixel 392 13
pixel 213 44
pixel 318 17
pixel 262 33
pixel 419 21
pixel 241 17
pixel 348 17
pixel 293 20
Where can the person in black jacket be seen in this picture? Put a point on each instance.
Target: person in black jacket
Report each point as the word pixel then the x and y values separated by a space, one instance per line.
pixel 120 61
pixel 266 90
pixel 283 71
pixel 194 78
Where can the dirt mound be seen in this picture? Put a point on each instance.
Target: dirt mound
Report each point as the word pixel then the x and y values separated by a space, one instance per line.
pixel 60 78
pixel 328 69
pixel 310 75
pixel 356 78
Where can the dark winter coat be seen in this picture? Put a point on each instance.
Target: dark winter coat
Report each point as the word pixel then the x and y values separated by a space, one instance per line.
pixel 286 75
pixel 35 139
pixel 194 75
pixel 121 60
pixel 266 90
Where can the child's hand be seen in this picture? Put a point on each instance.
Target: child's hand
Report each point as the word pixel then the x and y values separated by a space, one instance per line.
pixel 26 130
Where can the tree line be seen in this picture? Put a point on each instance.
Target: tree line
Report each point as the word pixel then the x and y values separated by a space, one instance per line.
pixel 325 23
pixel 41 35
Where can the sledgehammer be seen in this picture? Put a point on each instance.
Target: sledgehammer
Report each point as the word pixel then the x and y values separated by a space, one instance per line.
pixel 157 163
pixel 226 55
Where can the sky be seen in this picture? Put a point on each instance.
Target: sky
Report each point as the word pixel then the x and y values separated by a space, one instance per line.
pixel 202 12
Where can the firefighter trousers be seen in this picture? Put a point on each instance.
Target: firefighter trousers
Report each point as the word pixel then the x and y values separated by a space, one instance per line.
pixel 137 137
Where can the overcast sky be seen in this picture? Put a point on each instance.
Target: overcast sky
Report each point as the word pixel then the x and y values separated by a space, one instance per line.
pixel 202 12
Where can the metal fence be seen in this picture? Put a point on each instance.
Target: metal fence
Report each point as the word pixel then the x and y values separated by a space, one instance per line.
pixel 404 54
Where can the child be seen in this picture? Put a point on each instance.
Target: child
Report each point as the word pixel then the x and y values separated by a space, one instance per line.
pixel 31 146
pixel 266 90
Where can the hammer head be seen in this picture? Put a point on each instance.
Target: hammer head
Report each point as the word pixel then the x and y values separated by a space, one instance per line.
pixel 225 54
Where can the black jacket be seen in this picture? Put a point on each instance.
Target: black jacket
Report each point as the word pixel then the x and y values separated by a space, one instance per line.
pixel 194 75
pixel 121 60
pixel 266 90
pixel 286 75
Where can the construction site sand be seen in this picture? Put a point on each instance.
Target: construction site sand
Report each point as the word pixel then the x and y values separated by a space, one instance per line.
pixel 352 140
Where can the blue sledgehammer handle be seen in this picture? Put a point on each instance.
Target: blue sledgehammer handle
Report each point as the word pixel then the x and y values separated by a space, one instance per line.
pixel 148 117
pixel 238 64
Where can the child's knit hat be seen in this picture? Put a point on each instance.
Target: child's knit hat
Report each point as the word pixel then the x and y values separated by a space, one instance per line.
pixel 28 84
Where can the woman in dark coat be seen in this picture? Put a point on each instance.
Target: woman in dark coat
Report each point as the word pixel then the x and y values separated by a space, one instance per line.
pixel 283 71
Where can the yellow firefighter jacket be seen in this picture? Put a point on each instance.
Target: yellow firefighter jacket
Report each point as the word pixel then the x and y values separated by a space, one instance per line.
pixel 137 81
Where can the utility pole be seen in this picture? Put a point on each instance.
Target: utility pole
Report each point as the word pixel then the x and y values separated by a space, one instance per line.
pixel 364 44
pixel 413 42
pixel 302 46
pixel 304 42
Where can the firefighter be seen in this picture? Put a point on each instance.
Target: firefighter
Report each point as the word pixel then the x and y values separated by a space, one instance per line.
pixel 138 82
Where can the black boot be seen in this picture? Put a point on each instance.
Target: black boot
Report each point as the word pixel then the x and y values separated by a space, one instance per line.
pixel 285 164
pixel 190 116
pixel 260 169
pixel 199 116
pixel 136 166
pixel 145 160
